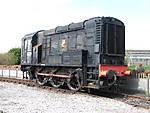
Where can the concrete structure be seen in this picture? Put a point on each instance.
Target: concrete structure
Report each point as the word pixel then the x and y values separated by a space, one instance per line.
pixel 136 57
pixel 139 85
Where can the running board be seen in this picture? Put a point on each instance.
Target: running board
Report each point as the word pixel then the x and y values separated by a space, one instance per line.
pixel 53 75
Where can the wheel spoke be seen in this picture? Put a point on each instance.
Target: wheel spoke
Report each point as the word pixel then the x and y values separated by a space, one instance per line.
pixel 56 82
pixel 41 80
pixel 74 83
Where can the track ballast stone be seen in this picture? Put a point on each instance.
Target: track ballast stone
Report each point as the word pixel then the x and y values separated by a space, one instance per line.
pixel 16 98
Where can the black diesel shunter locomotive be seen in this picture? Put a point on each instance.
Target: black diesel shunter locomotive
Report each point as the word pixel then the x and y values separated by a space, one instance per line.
pixel 85 54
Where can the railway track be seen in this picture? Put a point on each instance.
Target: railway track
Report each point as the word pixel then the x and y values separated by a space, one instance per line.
pixel 136 101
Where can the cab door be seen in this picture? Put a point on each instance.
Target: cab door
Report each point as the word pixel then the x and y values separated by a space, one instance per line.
pixel 37 54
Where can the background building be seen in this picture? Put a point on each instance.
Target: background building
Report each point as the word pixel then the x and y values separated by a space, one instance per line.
pixel 136 57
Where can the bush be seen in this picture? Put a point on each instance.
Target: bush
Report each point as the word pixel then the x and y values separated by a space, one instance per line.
pixel 134 67
pixel 13 57
pixel 147 67
pixel 6 59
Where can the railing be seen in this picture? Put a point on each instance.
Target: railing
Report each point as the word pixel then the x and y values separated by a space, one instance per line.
pixel 12 73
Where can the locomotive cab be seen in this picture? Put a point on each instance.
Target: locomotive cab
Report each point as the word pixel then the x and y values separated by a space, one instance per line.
pixel 31 50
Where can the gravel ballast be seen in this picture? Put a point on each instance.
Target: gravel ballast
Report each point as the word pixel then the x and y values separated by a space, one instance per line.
pixel 16 98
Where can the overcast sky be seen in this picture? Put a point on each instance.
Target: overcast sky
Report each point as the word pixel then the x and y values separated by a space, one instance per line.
pixel 20 17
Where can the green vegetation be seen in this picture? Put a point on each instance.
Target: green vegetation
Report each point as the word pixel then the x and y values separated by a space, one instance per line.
pixel 6 59
pixel 147 67
pixel 16 53
pixel 133 67
pixel 12 57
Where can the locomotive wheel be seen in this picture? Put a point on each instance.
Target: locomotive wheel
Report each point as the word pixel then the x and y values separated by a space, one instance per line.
pixel 41 80
pixel 56 82
pixel 74 83
pixel 111 78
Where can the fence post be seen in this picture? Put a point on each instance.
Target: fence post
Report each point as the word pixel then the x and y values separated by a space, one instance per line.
pixel 2 72
pixel 9 73
pixel 16 73
pixel 148 87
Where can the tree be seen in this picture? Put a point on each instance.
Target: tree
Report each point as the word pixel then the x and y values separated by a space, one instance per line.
pixel 16 52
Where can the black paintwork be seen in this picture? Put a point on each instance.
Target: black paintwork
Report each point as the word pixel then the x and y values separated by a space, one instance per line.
pixel 102 37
